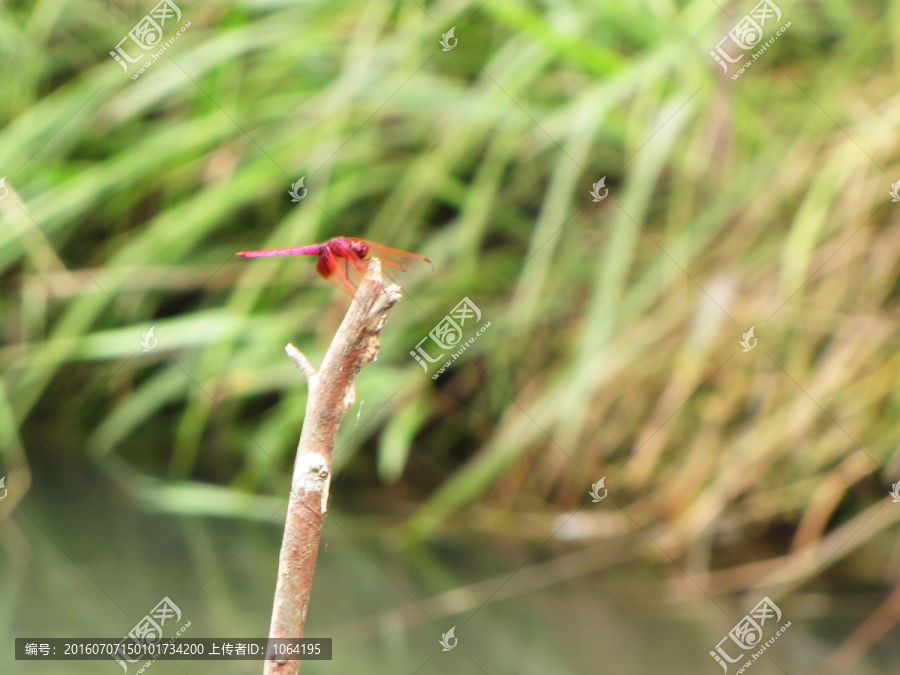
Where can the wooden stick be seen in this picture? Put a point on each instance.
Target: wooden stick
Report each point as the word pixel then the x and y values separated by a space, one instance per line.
pixel 331 394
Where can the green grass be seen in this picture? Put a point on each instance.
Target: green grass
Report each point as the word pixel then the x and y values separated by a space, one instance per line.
pixel 615 325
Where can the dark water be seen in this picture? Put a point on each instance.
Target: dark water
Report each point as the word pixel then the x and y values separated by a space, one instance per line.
pixel 79 559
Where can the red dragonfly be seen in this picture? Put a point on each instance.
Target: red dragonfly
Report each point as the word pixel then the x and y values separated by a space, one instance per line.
pixel 343 258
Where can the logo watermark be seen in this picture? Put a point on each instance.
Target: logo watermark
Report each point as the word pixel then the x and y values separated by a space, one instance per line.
pixel 595 490
pixel 746 34
pixel 446 638
pixel 148 342
pixel 446 40
pixel 595 191
pixel 447 334
pixel 895 197
pixel 748 633
pixel 150 628
pixel 895 492
pixel 3 489
pixel 746 341
pixel 147 34
pixel 295 196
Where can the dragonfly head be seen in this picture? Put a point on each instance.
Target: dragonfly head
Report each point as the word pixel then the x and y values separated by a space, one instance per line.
pixel 360 249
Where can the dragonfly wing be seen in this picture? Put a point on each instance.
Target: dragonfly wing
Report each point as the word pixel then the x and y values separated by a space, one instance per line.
pixel 393 255
pixel 311 249
pixel 397 265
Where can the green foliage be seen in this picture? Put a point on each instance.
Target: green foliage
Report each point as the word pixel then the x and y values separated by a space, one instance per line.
pixel 615 325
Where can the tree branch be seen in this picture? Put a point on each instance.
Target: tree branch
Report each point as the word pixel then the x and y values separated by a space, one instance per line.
pixel 331 394
pixel 302 363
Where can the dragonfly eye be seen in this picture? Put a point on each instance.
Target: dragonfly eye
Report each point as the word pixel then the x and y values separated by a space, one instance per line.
pixel 361 250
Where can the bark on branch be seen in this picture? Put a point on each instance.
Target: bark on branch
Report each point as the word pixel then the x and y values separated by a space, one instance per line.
pixel 331 394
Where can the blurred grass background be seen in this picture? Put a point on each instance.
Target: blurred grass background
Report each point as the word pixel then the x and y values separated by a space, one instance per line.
pixel 614 347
